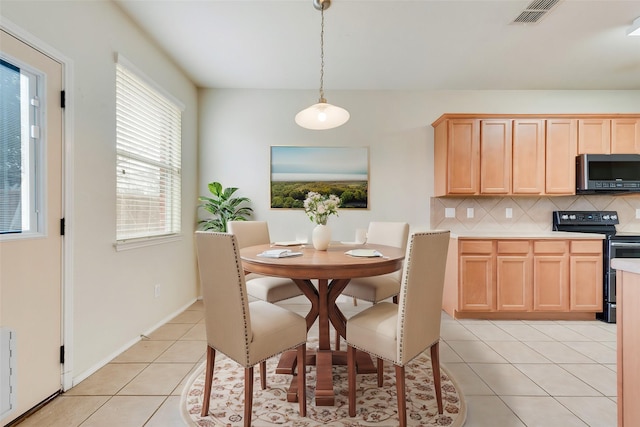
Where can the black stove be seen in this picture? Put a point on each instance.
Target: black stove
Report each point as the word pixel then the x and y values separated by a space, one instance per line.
pixel 615 245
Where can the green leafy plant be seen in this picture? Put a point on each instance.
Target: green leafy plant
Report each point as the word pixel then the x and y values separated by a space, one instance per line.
pixel 224 207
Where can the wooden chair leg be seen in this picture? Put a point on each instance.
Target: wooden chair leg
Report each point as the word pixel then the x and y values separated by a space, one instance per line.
pixel 435 367
pixel 248 395
pixel 263 374
pixel 400 390
pixel 208 379
pixel 351 374
pixel 380 370
pixel 302 379
pixel 337 340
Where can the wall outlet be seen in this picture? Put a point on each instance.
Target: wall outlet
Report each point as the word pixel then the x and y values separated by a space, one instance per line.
pixel 451 212
pixel 469 212
pixel 508 213
pixel 156 291
pixel 637 213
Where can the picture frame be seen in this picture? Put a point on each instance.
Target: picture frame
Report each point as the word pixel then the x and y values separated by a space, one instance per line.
pixel 297 170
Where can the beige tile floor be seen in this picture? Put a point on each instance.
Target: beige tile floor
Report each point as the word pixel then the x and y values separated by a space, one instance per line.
pixel 512 374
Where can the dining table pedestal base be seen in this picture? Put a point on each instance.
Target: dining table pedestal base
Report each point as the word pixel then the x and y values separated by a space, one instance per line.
pixel 323 360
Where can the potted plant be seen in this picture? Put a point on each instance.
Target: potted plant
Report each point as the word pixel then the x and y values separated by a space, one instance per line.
pixel 224 207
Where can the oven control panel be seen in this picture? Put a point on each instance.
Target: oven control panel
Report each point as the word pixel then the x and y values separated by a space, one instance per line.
pixel 585 217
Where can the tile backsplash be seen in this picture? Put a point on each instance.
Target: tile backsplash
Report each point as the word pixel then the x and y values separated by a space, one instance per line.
pixel 526 213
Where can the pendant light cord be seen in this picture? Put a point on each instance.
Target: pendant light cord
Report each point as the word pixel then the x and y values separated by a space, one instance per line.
pixel 322 54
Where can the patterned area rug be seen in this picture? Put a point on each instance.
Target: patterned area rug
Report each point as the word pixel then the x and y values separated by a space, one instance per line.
pixel 375 406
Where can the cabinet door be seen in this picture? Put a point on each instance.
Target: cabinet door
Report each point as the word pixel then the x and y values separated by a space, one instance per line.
pixel 528 156
pixel 463 161
pixel 585 275
pixel 551 275
pixel 585 283
pixel 495 156
pixel 625 136
pixel 561 147
pixel 594 136
pixel 513 282
pixel 476 283
pixel 551 278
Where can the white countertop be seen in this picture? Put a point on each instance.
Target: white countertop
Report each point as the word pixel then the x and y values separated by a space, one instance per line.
pixel 497 234
pixel 631 265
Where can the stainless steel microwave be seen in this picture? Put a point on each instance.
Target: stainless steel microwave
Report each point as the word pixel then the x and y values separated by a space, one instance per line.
pixel 607 173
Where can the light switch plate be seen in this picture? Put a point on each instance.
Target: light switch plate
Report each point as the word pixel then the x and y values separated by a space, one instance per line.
pixel 449 212
pixel 637 213
pixel 508 213
pixel 469 212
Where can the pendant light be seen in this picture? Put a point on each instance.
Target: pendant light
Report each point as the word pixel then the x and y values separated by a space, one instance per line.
pixel 322 115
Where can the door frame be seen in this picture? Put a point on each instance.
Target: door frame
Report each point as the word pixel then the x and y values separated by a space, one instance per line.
pixel 67 191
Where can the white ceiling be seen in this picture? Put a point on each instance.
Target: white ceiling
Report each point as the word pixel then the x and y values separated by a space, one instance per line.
pixel 396 44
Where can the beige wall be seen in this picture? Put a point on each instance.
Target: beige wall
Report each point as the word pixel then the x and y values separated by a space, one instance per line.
pixel 237 127
pixel 112 292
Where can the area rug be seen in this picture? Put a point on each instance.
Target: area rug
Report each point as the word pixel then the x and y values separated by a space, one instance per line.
pixel 375 406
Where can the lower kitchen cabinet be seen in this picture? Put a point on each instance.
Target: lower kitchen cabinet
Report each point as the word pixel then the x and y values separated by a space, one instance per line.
pixel 585 276
pixel 477 276
pixel 535 278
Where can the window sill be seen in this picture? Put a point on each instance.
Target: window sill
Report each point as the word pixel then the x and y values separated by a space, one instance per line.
pixel 125 245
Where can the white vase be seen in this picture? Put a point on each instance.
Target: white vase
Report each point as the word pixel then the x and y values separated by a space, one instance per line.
pixel 321 237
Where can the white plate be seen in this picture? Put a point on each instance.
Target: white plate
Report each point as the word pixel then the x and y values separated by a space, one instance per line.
pixel 288 243
pixel 365 253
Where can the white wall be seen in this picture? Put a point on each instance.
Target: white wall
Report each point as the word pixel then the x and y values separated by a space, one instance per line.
pixel 113 298
pixel 237 127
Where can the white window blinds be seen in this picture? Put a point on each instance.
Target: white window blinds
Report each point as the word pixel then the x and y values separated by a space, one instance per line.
pixel 148 166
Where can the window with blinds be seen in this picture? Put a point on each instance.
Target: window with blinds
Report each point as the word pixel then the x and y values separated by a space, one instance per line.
pixel 148 166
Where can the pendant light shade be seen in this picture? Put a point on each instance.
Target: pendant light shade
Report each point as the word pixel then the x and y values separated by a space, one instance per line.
pixel 322 115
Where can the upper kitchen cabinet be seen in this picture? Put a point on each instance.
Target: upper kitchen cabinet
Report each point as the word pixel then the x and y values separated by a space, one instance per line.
pixel 495 156
pixel 489 156
pixel 561 143
pixel 625 136
pixel 528 156
pixel 523 154
pixel 609 136
pixel 457 157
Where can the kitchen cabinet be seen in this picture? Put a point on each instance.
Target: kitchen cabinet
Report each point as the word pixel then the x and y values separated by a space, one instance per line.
pixel 495 156
pixel 585 275
pixel 523 154
pixel 628 339
pixel 477 275
pixel 551 275
pixel 625 136
pixel 514 287
pixel 594 136
pixel 528 159
pixel 457 157
pixel 561 148
pixel 525 278
pixel 609 136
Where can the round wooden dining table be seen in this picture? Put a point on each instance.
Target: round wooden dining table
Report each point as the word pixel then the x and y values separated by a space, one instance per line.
pixel 332 269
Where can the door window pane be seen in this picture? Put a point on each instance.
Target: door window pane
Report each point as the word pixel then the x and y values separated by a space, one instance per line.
pixel 18 149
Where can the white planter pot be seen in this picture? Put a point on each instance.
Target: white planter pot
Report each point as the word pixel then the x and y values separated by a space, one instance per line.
pixel 321 237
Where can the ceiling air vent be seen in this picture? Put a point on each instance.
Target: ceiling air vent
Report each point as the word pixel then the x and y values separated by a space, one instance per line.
pixel 535 11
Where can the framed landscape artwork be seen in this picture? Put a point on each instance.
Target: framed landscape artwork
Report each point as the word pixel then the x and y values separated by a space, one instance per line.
pixel 343 171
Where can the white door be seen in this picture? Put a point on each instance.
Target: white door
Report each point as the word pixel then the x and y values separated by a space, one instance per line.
pixel 30 212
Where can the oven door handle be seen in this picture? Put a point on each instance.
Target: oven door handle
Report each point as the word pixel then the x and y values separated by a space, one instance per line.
pixel 625 245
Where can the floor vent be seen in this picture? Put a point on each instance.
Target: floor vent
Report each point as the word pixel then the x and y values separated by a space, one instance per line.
pixel 7 371
pixel 535 11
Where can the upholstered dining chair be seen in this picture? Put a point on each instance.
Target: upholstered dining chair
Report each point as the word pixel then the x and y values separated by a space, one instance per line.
pixel 378 288
pixel 400 332
pixel 248 333
pixel 265 288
